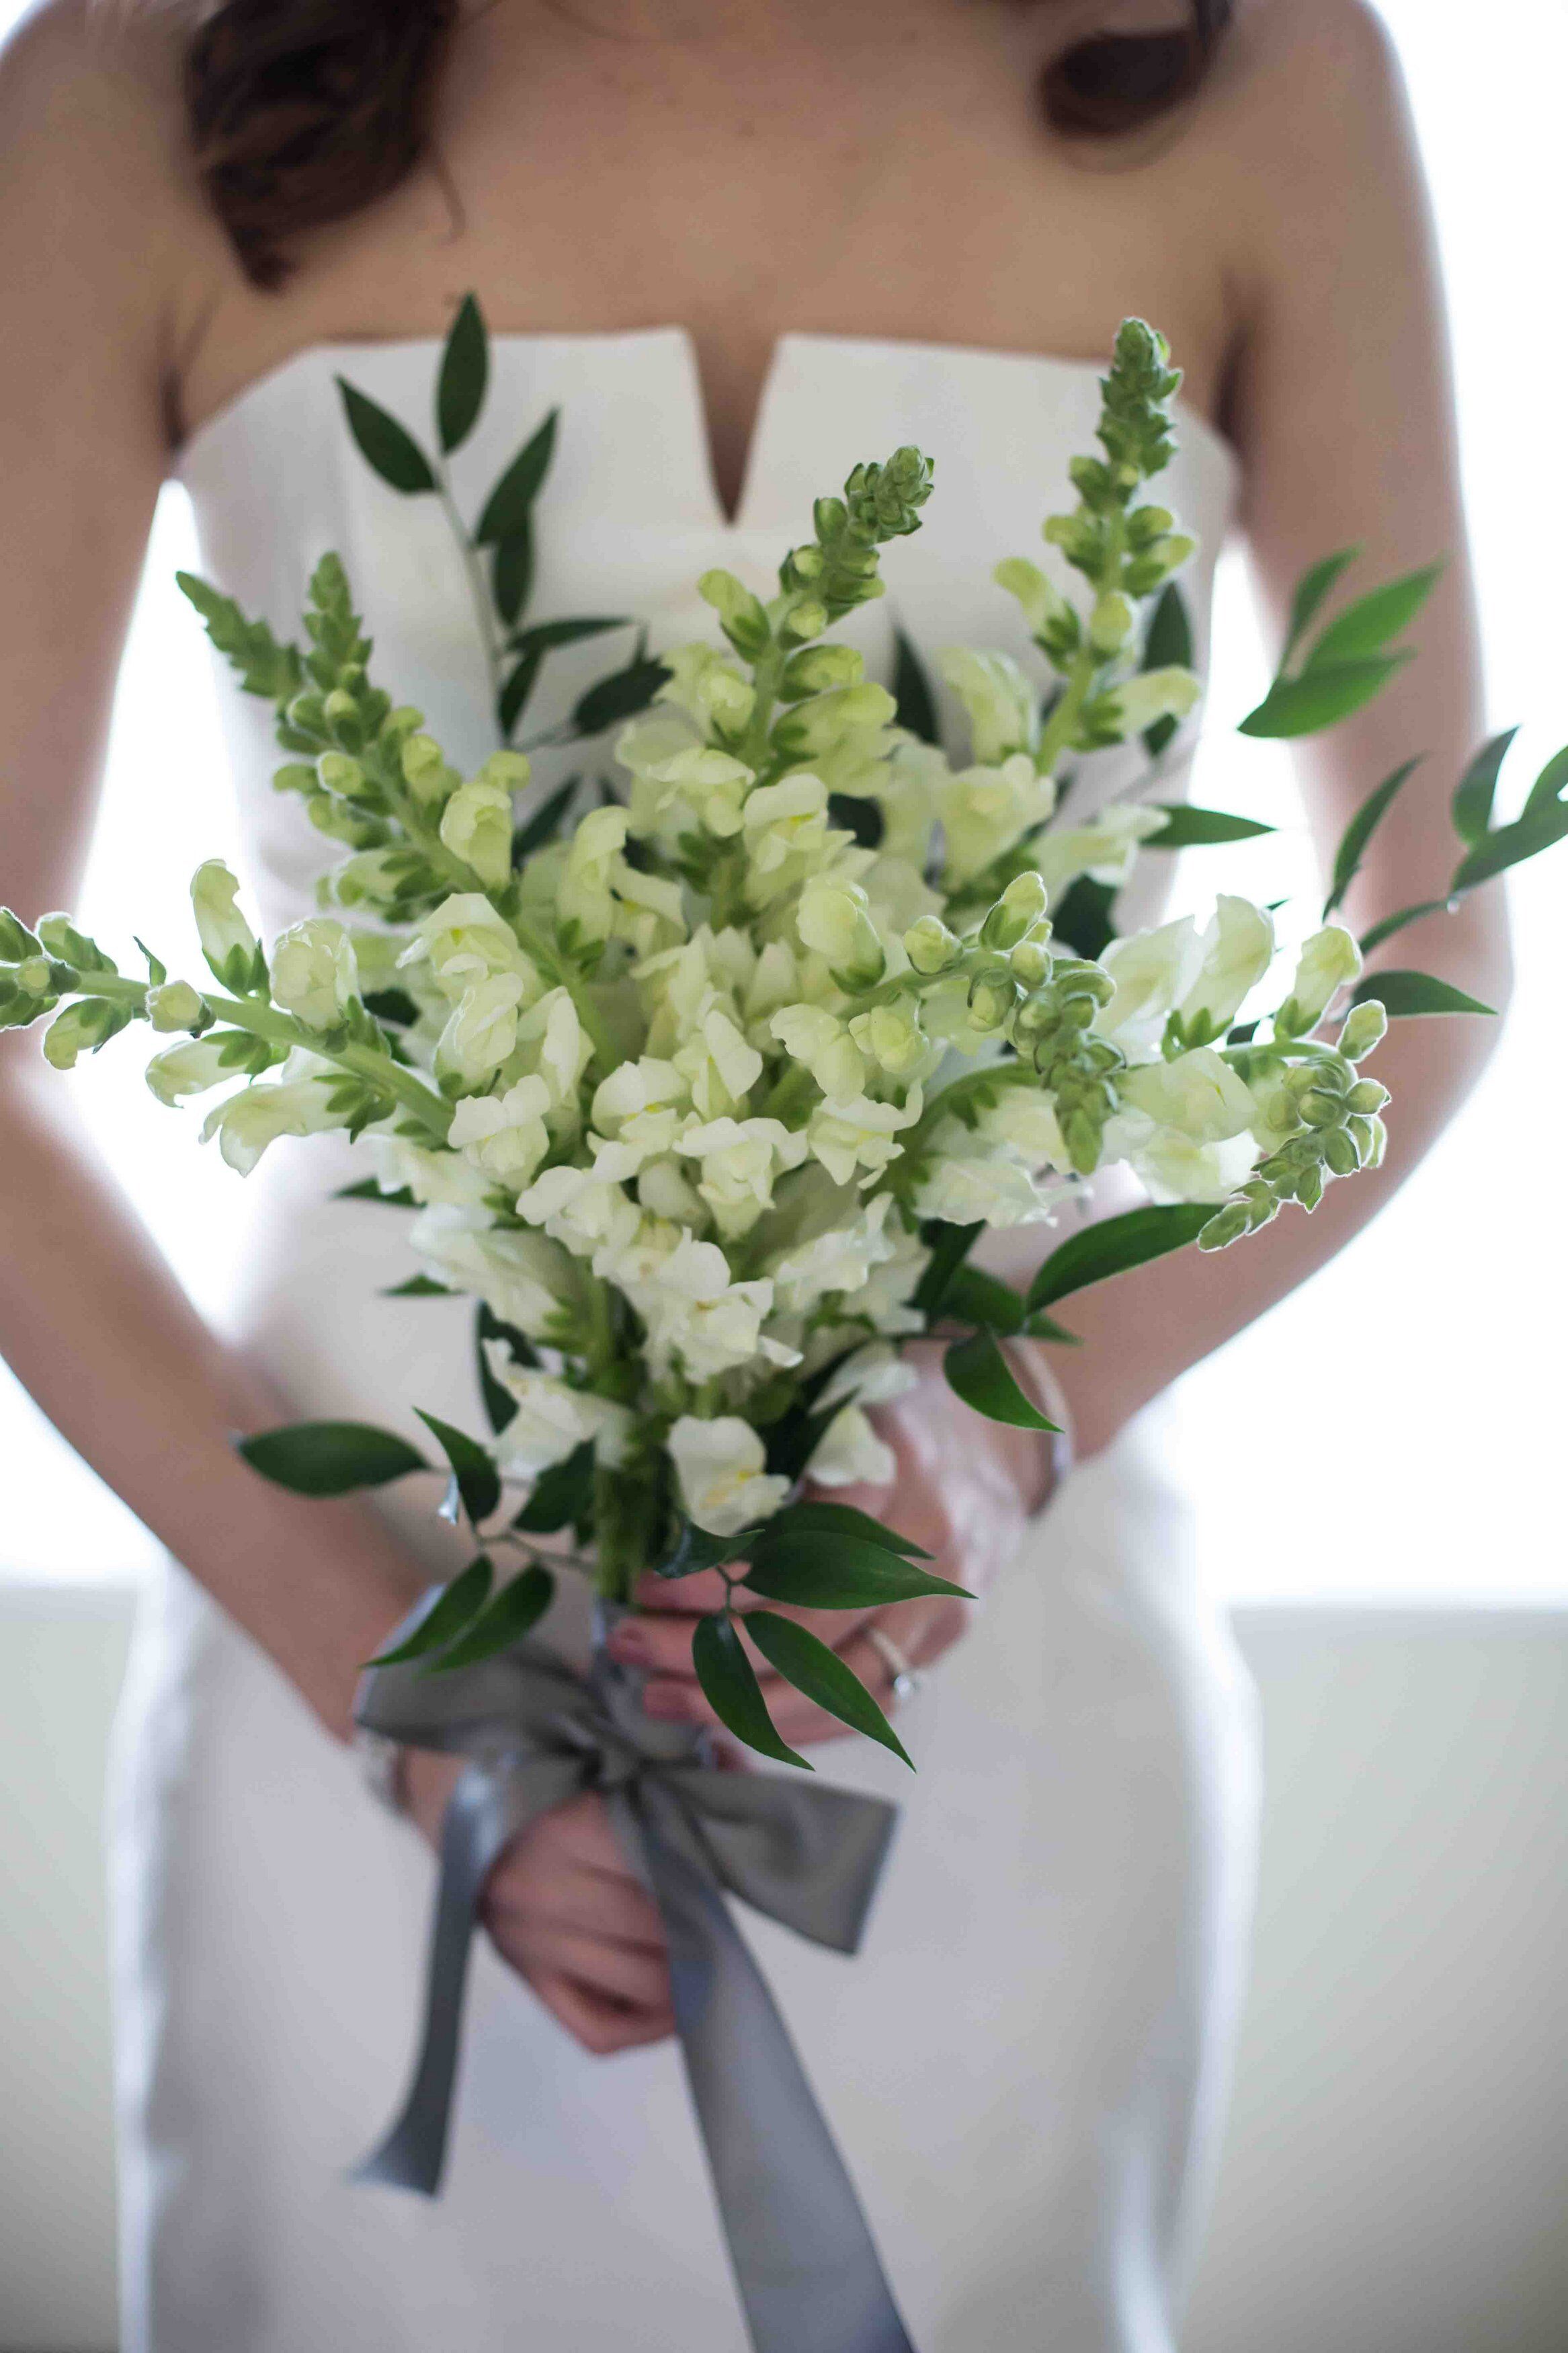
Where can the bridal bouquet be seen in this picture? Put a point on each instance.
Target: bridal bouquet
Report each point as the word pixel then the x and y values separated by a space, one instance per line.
pixel 703 1091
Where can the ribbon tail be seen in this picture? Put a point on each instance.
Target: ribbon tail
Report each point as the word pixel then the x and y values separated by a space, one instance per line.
pixel 806 2265
pixel 414 2153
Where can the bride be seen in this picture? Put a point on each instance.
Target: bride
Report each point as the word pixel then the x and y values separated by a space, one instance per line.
pixel 741 244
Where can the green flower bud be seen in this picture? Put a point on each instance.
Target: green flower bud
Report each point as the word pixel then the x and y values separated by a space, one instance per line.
pixel 80 1027
pixel 424 771
pixel 808 618
pixel 339 772
pixel 1366 1096
pixel 1340 1152
pixel 1318 1109
pixel 893 1035
pixel 34 977
pixel 16 942
pixel 931 947
pixel 228 944
pixel 820 669
pixel 404 721
pixel 1365 1026
pixel 833 919
pixel 294 776
pixel 61 938
pixel 1111 623
pixel 341 710
pixel 1031 961
pixel 992 994
pixel 1227 1226
pixel 1016 912
pixel 741 615
pixel 1146 524
pixel 175 1005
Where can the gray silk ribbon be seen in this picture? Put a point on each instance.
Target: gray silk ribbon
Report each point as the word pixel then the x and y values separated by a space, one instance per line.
pixel 535 1734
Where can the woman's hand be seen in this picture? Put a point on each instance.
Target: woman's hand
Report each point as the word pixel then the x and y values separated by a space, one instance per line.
pixel 964 1489
pixel 565 1910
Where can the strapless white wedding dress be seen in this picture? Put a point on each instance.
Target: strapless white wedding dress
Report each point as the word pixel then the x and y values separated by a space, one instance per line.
pixel 1024 2064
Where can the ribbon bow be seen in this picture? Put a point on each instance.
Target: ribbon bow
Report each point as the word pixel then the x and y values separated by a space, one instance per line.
pixel 535 1733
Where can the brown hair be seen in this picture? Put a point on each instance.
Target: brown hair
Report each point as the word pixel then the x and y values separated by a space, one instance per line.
pixel 305 111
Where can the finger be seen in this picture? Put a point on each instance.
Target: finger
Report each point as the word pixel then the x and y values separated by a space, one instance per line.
pixel 685 1595
pixel 588 1902
pixel 925 1628
pixel 639 1981
pixel 663 1646
pixel 579 1833
pixel 602 2027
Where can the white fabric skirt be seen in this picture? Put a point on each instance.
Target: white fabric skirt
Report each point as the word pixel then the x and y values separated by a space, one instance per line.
pixel 1025 2065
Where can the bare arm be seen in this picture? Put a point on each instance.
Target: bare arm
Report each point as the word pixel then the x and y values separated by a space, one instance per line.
pixel 1342 411
pixel 95 256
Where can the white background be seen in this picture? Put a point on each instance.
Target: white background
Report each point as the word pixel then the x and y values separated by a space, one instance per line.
pixel 1428 1359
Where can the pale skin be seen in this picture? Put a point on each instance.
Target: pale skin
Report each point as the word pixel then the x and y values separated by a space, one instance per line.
pixel 625 163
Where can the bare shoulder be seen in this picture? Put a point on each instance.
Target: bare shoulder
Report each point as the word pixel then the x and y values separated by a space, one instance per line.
pixel 1306 89
pixel 100 204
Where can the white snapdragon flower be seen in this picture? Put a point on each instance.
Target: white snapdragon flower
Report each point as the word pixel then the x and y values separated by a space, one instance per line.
pixel 809 1034
pixel 188 1069
pixel 1198 1093
pixel 908 788
pixel 986 809
pixel 1152 970
pixel 522 1278
pixel 403 1165
pixel 966 1189
pixel 552 1031
pixel 874 1375
pixel 1155 694
pixel 314 976
pixel 638 1110
pixel 850 1454
pixel 476 826
pixel 721 1465
pixel 712 785
pixel 998 699
pixel 839 1258
pixel 227 941
pixel 481 1033
pixel 718 1064
pixel 741 1159
pixel 785 824
pixel 834 918
pixel 1041 601
pixel 504 1137
pixel 1103 849
pixel 697 1313
pixel 247 1123
pixel 650 911
pixel 706 685
pixel 552 1419
pixel 175 1005
pixel 1174 1167
pixel 1329 961
pixel 585 898
pixel 1237 949
pixel 669 1196
pixel 884 1298
pixel 464 941
pixel 855 1133
pixel 588 1215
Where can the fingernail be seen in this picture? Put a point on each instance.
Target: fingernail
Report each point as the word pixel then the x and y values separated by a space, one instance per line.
pixel 630 1645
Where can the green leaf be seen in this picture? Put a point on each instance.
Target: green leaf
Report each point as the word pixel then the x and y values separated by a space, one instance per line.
pixel 950 1246
pixel 697 1549
pixel 974 1297
pixel 1041 1326
pixel 367 1189
pixel 1392 923
pixel 393 1005
pixel 1367 625
pixel 912 692
pixel 386 447
pixel 1310 590
pixel 511 572
pixel 1472 803
pixel 1545 796
pixel 329 1458
pixel 515 1612
pixel 820 1571
pixel 465 370
pixel 1114 1245
pixel 980 1374
pixel 815 1518
pixel 462 1601
pixel 733 1692
pixel 544 824
pixel 157 970
pixel 621 695
pixel 1186 827
pixel 852 813
pixel 518 685
pixel 1169 642
pixel 479 1480
pixel 506 510
pixel 822 1675
pixel 1510 845
pixel 1405 992
pixel 501 1406
pixel 561 1494
pixel 419 1286
pixel 1320 698
pixel 1359 832
pixel 545 636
